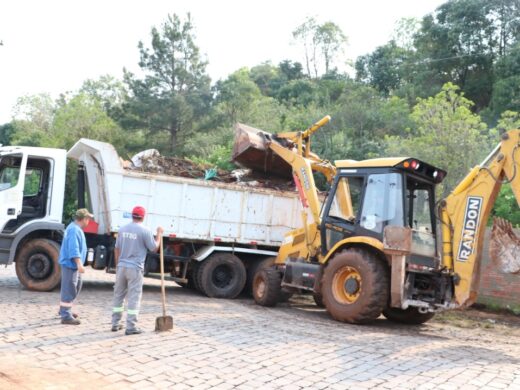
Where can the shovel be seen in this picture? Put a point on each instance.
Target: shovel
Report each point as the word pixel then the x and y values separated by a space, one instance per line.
pixel 165 322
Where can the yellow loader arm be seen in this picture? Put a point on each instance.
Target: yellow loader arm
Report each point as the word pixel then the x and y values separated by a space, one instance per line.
pixel 464 215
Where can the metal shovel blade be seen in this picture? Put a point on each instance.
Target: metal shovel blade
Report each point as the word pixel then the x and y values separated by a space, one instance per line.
pixel 163 323
pixel 504 247
pixel 250 151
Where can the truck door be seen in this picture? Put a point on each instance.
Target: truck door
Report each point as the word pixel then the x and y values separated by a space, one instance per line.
pixel 12 174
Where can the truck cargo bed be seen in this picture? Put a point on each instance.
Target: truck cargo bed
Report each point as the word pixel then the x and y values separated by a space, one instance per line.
pixel 187 208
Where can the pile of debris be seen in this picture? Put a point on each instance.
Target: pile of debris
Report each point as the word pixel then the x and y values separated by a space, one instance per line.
pixel 151 161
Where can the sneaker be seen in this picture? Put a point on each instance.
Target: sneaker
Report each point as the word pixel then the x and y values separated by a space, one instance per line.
pixel 115 328
pixel 71 321
pixel 129 332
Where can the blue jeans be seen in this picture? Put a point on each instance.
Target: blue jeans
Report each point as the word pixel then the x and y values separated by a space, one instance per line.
pixel 70 287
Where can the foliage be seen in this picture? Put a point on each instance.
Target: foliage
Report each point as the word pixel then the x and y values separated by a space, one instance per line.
pixel 6 132
pixel 326 39
pixel 446 134
pixel 506 206
pixel 175 89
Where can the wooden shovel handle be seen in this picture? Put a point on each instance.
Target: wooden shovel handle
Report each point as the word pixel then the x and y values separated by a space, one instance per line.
pixel 163 290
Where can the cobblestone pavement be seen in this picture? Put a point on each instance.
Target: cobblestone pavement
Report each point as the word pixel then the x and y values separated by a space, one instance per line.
pixel 228 344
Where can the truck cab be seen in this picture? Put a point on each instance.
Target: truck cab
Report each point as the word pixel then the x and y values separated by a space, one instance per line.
pixel 32 186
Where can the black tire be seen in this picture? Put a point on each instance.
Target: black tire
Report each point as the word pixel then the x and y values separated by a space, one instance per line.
pixel 318 299
pixel 194 277
pixel 355 286
pixel 267 286
pixel 222 275
pixel 37 265
pixel 254 268
pixel 410 316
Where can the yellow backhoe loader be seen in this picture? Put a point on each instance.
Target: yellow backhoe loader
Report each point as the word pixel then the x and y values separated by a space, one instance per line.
pixel 378 242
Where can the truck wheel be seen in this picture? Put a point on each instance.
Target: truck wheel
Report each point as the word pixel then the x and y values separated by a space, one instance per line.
pixel 197 276
pixel 410 316
pixel 222 275
pixel 318 299
pixel 37 265
pixel 355 286
pixel 254 268
pixel 267 286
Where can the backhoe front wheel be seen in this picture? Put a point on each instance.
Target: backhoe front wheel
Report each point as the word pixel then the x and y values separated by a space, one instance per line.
pixel 410 316
pixel 355 286
pixel 267 287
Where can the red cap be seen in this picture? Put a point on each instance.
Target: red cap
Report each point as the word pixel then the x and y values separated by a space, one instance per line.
pixel 138 212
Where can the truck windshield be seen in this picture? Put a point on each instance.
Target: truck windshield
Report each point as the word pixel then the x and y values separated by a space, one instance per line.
pixel 383 204
pixel 9 171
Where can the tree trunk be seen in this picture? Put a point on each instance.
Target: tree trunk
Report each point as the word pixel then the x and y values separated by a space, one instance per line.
pixel 173 139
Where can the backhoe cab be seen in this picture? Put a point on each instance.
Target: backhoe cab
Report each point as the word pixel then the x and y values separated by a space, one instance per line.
pixel 372 245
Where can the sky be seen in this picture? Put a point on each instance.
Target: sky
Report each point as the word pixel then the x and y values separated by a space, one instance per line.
pixel 54 46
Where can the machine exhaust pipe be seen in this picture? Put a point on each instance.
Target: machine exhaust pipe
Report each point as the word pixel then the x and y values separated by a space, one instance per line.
pixel 504 247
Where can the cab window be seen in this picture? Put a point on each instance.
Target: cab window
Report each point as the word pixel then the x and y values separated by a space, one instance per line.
pixel 9 172
pixel 383 204
pixel 347 198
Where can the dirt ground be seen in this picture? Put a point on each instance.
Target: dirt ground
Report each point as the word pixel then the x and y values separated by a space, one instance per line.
pixel 19 374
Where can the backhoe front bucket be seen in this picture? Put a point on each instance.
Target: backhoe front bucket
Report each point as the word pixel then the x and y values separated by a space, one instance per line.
pixel 251 150
pixel 504 247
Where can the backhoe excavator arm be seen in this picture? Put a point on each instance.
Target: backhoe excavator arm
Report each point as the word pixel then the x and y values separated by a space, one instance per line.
pixel 303 164
pixel 465 212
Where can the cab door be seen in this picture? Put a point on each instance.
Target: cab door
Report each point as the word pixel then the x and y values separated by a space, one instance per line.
pixel 341 215
pixel 12 180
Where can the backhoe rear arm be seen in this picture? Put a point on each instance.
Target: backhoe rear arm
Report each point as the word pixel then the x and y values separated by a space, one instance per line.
pixel 465 212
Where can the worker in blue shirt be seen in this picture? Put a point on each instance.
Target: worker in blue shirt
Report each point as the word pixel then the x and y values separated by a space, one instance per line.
pixel 73 253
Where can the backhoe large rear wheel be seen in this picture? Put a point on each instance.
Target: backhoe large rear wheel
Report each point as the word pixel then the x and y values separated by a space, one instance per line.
pixel 267 287
pixel 37 265
pixel 355 286
pixel 410 316
pixel 222 275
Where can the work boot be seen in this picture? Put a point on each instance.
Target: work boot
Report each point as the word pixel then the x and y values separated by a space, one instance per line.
pixel 70 321
pixel 75 315
pixel 129 332
pixel 115 328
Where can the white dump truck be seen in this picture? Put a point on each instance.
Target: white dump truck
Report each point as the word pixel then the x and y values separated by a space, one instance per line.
pixel 216 234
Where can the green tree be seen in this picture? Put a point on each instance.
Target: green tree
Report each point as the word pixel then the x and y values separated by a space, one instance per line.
pixel 322 45
pixel 6 132
pixel 32 120
pixel 446 134
pixel 383 68
pixel 84 117
pixel 111 92
pixel 506 89
pixel 331 41
pixel 236 95
pixel 176 89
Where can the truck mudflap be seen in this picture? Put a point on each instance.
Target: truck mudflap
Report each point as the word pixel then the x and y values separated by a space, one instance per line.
pixel 504 247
